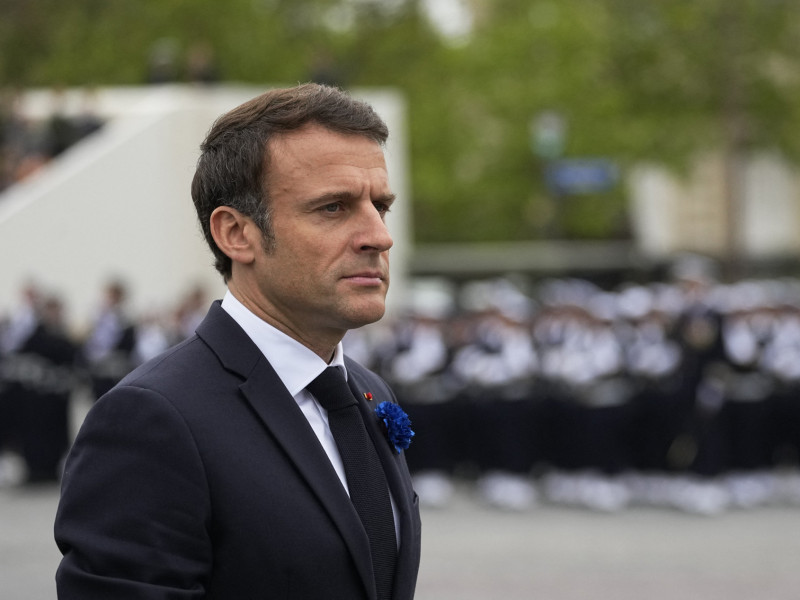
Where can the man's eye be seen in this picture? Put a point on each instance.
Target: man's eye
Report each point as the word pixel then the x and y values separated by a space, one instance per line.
pixel 382 207
pixel 332 208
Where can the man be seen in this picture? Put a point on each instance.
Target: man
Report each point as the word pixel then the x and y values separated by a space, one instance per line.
pixel 109 350
pixel 212 472
pixel 45 370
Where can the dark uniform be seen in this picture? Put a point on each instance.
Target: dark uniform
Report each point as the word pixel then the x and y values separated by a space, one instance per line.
pixel 40 377
pixel 109 350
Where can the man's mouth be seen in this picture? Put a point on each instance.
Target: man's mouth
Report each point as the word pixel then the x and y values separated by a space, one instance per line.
pixel 366 278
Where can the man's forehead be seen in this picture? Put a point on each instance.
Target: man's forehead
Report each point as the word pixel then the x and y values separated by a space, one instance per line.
pixel 312 131
pixel 316 146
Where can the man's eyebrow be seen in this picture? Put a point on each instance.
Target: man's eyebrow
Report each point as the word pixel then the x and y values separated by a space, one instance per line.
pixel 344 195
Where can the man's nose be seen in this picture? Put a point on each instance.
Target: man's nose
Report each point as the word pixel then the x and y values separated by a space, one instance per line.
pixel 373 234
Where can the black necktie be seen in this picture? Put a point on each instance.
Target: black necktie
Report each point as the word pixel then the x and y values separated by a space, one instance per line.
pixel 366 480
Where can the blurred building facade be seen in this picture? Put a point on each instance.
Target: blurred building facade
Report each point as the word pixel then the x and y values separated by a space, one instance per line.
pixel 752 211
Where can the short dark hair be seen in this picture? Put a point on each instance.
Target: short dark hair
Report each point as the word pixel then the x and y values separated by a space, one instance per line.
pixel 235 156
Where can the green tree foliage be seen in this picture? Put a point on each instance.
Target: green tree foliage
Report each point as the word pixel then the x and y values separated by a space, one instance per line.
pixel 632 80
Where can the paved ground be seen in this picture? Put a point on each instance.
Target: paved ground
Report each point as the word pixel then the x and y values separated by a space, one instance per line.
pixel 471 552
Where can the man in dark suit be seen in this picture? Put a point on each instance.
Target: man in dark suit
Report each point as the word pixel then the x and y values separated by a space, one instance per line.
pixel 212 471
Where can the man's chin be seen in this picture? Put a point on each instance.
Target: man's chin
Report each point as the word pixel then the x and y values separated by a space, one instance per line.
pixel 367 313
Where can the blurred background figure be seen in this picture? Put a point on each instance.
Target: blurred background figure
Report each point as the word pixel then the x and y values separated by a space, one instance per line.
pixel 152 337
pixel 109 347
pixel 23 319
pixel 87 120
pixel 190 312
pixel 163 62
pixel 325 70
pixel 495 364
pixel 15 331
pixel 201 64
pixel 47 364
pixel 38 375
pixel 16 138
pixel 59 131
pixel 590 410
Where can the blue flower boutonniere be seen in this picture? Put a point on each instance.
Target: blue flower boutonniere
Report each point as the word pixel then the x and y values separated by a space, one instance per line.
pixel 397 423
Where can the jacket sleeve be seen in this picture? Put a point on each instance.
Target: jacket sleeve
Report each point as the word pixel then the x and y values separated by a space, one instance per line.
pixel 133 520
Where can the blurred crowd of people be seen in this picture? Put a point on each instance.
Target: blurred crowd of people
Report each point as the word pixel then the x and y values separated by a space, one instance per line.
pixel 681 394
pixel 27 144
pixel 45 365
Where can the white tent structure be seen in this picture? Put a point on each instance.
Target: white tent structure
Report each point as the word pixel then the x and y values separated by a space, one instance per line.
pixel 118 203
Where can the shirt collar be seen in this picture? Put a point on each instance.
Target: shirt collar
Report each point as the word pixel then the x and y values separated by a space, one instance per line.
pixel 295 364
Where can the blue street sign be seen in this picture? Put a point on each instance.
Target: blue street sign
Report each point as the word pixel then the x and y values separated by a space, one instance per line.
pixel 581 175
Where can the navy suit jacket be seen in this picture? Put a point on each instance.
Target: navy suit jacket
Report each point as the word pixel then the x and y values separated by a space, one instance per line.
pixel 199 477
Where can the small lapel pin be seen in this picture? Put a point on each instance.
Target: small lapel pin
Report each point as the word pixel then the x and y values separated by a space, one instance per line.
pixel 368 396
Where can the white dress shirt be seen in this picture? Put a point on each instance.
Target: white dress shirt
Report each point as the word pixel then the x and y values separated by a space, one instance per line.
pixel 296 366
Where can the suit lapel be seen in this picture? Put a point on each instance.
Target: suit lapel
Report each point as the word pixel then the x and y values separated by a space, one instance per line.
pixel 278 411
pixel 397 477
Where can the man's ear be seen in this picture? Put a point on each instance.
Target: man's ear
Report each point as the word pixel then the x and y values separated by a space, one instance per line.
pixel 234 234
